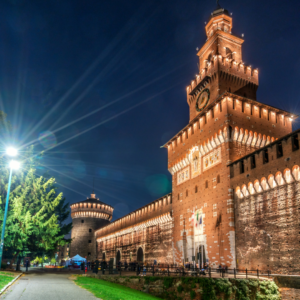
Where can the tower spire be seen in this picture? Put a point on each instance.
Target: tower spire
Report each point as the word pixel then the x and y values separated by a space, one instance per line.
pixel 93 195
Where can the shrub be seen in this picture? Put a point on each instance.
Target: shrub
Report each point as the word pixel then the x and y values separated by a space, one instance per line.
pixel 193 294
pixel 3 265
pixel 180 289
pixel 168 281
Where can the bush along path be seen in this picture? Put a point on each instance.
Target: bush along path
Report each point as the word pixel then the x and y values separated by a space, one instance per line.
pixel 200 288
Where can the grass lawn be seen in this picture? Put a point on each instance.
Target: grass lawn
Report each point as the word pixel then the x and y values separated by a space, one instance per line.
pixel 111 291
pixel 5 278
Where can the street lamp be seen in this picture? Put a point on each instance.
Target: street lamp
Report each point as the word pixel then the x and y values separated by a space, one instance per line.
pixel 13 165
pixel 11 151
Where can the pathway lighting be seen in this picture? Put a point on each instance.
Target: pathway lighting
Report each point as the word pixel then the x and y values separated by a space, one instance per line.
pixel 13 165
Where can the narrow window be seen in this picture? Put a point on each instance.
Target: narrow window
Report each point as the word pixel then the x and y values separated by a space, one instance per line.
pixel 90 230
pixel 218 179
pixel 206 184
pixel 265 156
pixel 89 253
pixel 90 241
pixel 196 189
pixel 252 161
pixel 295 142
pixel 279 150
pixel 82 221
pixel 187 193
pixel 230 132
pixel 242 167
pixel 178 196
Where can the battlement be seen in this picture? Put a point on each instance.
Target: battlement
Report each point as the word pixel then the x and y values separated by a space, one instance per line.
pixel 234 70
pixel 91 208
pixel 222 113
pixel 154 209
pixel 258 166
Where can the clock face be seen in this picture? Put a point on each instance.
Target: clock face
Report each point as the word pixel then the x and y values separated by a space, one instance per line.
pixel 202 100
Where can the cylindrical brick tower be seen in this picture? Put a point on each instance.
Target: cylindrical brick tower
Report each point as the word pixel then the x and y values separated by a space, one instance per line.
pixel 88 216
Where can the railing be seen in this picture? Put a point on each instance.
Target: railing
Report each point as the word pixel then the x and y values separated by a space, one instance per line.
pixel 174 270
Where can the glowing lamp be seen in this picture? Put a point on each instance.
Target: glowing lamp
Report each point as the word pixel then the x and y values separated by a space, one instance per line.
pixel 14 165
pixel 11 151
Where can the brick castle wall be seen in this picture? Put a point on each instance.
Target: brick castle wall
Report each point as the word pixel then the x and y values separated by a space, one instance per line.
pixel 267 208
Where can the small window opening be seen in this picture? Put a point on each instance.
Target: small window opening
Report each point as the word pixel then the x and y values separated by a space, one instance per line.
pixel 178 196
pixel 252 161
pixel 265 156
pixel 89 253
pixel 218 179
pixel 187 193
pixel 82 221
pixel 279 150
pixel 90 241
pixel 295 142
pixel 90 230
pixel 242 167
pixel 206 184
pixel 196 189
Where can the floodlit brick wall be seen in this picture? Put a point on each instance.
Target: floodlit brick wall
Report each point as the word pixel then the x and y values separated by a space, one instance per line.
pixel 144 245
pixel 267 207
pixel 148 228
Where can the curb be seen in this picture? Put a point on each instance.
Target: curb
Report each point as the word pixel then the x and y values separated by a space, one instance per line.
pixel 9 284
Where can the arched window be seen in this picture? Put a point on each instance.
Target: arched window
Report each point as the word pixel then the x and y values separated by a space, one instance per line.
pixel 228 53
pixel 187 193
pixel 206 184
pixel 196 189
pixel 218 179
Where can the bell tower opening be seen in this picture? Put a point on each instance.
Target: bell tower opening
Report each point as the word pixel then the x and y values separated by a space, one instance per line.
pixel 221 68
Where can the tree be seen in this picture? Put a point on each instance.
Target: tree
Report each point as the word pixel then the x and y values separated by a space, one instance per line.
pixel 36 210
pixel 62 212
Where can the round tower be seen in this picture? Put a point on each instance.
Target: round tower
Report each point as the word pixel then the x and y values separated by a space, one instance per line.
pixel 88 216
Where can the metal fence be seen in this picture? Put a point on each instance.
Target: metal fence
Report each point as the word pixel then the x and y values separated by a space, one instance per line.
pixel 173 270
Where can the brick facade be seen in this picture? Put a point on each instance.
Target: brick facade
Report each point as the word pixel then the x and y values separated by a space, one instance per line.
pixel 214 212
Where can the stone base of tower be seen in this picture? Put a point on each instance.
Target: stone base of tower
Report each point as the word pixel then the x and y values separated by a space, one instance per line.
pixel 83 236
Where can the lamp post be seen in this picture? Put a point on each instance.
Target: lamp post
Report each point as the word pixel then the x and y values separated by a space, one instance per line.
pixel 13 165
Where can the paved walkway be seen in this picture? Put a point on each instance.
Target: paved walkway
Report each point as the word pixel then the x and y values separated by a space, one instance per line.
pixel 46 287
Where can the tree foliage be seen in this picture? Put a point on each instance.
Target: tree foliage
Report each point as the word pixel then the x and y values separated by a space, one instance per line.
pixel 36 210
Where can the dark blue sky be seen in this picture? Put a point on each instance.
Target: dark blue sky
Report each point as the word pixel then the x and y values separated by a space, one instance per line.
pixel 122 67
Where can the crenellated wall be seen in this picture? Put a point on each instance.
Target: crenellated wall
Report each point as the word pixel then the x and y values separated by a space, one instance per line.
pixel 266 186
pixel 143 235
pixel 153 209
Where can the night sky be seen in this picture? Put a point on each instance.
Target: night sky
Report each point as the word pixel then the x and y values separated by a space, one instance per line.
pixel 100 85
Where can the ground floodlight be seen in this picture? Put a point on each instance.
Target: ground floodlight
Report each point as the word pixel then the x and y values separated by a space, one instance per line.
pixel 14 165
pixel 11 151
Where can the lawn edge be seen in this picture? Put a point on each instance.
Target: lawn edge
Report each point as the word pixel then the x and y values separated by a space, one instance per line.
pixel 10 283
pixel 111 283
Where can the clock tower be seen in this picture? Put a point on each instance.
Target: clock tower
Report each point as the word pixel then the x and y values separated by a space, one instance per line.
pixel 221 67
pixel 226 123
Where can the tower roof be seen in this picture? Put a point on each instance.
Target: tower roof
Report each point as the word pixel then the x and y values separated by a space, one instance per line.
pixel 219 11
pixel 92 199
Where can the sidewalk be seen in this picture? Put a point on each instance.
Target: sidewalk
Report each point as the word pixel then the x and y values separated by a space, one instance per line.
pixel 46 287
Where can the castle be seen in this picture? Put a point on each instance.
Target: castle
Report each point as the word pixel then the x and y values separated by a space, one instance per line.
pixel 235 178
